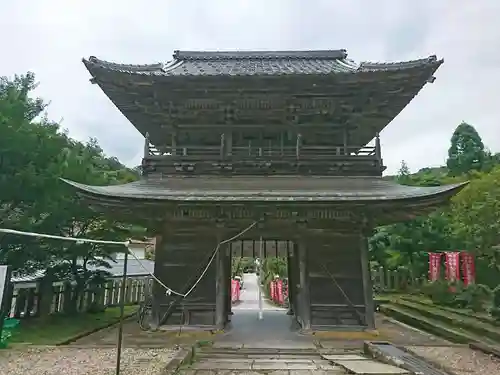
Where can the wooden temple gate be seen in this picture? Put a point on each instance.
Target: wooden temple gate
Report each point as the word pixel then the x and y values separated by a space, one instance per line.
pixel 278 140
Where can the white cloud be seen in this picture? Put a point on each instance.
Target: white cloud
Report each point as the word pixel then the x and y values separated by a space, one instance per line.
pixel 50 37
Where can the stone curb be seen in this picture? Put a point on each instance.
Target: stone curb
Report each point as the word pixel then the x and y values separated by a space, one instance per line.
pixel 486 349
pixel 184 356
pixel 97 329
pixel 372 351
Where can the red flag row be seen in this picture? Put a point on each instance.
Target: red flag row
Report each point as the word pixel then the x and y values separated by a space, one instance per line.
pixel 277 291
pixel 235 290
pixel 453 261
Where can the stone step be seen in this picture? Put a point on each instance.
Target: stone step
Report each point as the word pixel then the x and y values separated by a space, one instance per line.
pixel 262 364
pixel 339 371
pixel 259 351
pixel 258 356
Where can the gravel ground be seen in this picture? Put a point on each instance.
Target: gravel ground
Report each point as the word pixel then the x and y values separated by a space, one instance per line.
pixel 83 361
pixel 461 360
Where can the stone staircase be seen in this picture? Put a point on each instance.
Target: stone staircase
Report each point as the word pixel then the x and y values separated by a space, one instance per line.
pixel 218 361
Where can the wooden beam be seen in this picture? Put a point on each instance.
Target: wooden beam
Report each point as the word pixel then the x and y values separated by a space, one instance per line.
pixel 305 292
pixel 296 281
pixel 367 282
pixel 289 271
pixel 229 260
pixel 220 283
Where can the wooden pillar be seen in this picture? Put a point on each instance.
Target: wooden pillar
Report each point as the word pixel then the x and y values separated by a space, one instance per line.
pixel 289 269
pixel 173 149
pixel 220 287
pixel 146 145
pixel 222 145
pixel 156 291
pixel 296 280
pixel 229 143
pixel 229 259
pixel 367 282
pixel 305 293
pixel 345 135
pixel 378 149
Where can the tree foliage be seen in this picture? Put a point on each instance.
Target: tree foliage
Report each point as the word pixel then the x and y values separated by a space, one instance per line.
pixel 471 222
pixel 466 152
pixel 34 154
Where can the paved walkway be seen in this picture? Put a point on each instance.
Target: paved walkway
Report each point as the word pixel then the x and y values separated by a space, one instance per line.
pixel 274 330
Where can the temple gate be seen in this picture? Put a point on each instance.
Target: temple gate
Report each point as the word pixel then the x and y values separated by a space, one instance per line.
pixel 287 141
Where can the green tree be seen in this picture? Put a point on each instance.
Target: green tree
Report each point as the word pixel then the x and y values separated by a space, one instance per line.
pixel 475 217
pixel 404 176
pixel 466 152
pixel 34 154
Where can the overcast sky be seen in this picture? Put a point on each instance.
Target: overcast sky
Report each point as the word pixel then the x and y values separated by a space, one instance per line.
pixel 49 37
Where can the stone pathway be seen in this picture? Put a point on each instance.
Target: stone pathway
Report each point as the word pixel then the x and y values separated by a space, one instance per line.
pixel 271 345
pixel 134 336
pixel 274 345
pixel 215 361
pixel 83 361
pixel 461 360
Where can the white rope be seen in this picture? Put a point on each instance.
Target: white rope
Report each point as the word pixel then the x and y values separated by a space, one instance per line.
pixel 216 250
pixel 73 239
pixel 126 244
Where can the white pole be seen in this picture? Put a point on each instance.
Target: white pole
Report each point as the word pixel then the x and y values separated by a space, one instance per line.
pixel 259 280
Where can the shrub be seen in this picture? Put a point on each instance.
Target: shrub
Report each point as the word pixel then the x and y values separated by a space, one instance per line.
pixel 474 296
pixel 439 292
pixel 495 310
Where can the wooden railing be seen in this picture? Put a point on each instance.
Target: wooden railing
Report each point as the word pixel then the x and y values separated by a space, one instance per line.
pixel 25 299
pixel 303 152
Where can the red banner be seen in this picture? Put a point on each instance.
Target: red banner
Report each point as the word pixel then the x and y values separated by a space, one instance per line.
pixel 235 290
pixel 434 266
pixel 279 288
pixel 468 268
pixel 452 262
pixel 272 286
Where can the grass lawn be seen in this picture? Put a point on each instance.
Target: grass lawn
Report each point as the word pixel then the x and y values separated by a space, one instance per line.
pixel 55 329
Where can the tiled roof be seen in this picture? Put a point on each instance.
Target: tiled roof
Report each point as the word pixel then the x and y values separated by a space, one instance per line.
pixel 194 63
pixel 270 188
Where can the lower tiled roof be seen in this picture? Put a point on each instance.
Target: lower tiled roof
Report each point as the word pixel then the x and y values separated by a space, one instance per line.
pixel 272 188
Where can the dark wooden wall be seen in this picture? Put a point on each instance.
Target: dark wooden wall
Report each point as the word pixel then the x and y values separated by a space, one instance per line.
pixel 180 259
pixel 336 281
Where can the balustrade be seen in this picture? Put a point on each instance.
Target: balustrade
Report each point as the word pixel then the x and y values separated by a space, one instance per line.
pixel 254 152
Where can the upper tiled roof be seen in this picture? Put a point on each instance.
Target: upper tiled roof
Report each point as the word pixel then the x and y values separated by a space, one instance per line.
pixel 198 63
pixel 274 188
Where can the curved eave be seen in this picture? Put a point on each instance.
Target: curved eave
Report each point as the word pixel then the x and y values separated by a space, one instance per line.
pixel 394 204
pixel 182 67
pixel 140 191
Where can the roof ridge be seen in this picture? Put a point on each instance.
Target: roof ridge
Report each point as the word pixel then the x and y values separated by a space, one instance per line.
pixel 405 64
pixel 119 66
pixel 261 55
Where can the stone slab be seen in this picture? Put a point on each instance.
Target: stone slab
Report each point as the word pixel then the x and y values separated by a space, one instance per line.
pixel 225 372
pixel 302 366
pixel 339 371
pixel 271 366
pixel 227 345
pixel 209 365
pixel 343 357
pixel 370 367
pixel 279 345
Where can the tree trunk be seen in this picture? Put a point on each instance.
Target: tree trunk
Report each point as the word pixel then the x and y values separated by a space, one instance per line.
pixel 46 296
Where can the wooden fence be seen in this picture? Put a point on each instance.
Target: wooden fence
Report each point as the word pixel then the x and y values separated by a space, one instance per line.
pixel 385 280
pixel 25 298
